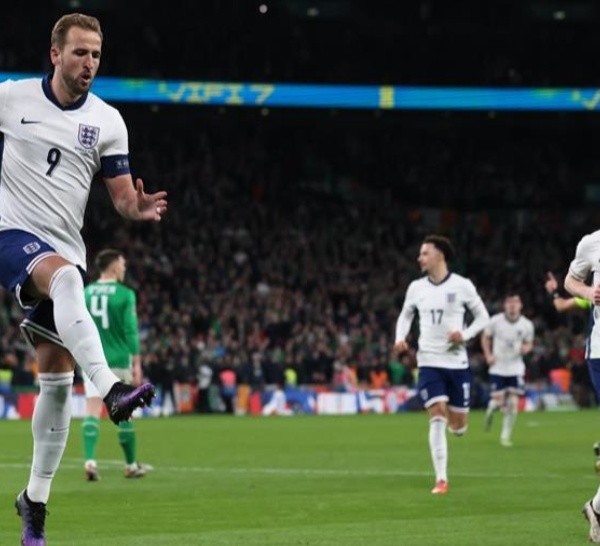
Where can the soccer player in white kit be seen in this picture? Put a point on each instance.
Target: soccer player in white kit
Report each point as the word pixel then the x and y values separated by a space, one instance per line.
pixel 586 266
pixel 441 299
pixel 57 137
pixel 505 340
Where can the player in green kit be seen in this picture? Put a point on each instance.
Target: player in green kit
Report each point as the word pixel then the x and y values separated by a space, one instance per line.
pixel 113 308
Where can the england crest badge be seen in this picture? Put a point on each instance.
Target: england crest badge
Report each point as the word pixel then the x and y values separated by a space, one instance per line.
pixel 88 135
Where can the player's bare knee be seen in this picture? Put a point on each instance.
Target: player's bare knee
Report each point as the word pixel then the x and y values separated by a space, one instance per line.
pixel 458 424
pixel 458 431
pixel 438 409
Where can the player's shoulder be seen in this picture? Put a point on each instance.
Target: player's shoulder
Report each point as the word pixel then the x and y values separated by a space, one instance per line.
pixel 126 288
pixel 527 321
pixel 17 89
pixel 25 83
pixel 95 102
pixel 123 289
pixel 455 279
pixel 419 281
pixel 498 317
pixel 590 240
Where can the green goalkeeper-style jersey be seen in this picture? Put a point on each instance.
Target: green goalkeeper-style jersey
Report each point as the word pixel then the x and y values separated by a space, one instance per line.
pixel 113 308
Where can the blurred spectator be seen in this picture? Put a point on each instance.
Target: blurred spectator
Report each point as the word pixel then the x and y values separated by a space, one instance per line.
pixel 379 377
pixel 228 382
pixel 399 370
pixel 344 377
pixel 205 374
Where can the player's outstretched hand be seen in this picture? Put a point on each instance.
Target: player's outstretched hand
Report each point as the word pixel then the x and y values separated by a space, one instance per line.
pixel 151 206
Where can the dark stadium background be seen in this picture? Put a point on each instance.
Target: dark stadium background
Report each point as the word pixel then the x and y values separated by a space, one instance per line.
pixel 326 208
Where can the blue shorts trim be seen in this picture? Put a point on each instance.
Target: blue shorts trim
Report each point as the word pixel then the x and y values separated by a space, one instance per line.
pixel 507 383
pixel 445 385
pixel 594 369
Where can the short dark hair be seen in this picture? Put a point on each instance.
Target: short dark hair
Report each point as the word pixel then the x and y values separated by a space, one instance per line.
pixel 443 244
pixel 58 37
pixel 105 258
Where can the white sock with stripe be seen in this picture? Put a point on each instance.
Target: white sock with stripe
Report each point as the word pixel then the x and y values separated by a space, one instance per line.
pixel 510 417
pixel 50 427
pixel 596 502
pixel 438 445
pixel 493 405
pixel 77 329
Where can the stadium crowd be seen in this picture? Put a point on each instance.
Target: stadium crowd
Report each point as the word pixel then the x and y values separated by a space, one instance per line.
pixel 292 236
pixel 284 251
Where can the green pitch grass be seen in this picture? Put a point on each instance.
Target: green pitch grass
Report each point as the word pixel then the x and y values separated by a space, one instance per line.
pixel 361 480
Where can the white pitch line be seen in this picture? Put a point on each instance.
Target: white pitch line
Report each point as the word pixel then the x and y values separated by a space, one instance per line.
pixel 331 472
pixel 75 464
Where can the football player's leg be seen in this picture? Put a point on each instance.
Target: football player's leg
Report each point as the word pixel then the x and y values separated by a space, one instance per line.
pixel 510 417
pixel 432 390
pixel 459 400
pixel 496 401
pixel 438 443
pixel 90 429
pixel 61 281
pixel 127 440
pixel 51 418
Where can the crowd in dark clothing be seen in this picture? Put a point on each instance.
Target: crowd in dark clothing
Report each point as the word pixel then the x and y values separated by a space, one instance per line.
pixel 281 251
pixel 292 236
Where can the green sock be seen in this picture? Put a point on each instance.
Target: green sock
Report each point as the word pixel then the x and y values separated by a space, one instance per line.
pixel 90 430
pixel 127 441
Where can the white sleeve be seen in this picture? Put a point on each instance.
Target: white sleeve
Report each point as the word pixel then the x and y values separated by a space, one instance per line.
pixel 118 141
pixel 4 89
pixel 407 314
pixel 530 333
pixel 481 317
pixel 580 266
pixel 489 329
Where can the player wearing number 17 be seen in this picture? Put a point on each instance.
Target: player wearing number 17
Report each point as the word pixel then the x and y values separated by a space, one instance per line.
pixel 57 137
pixel 441 300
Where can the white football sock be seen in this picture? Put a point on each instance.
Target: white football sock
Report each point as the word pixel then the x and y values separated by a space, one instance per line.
pixel 438 445
pixel 77 329
pixel 596 502
pixel 50 427
pixel 510 416
pixel 493 405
